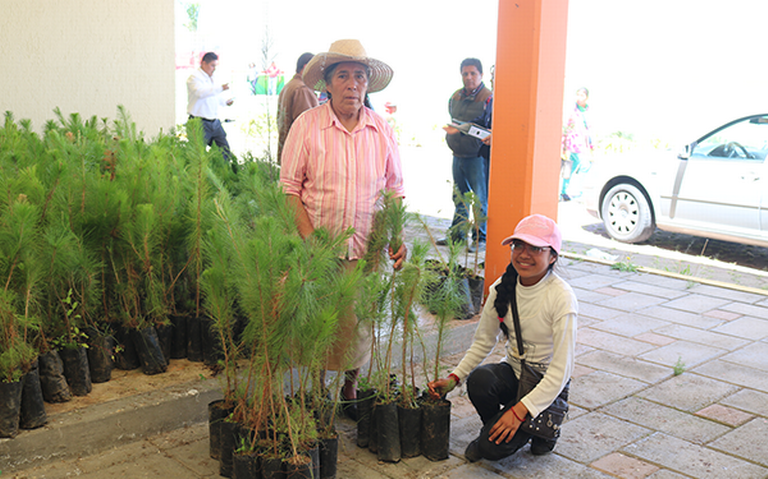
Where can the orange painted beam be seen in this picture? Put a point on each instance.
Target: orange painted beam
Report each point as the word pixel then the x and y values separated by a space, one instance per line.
pixel 527 120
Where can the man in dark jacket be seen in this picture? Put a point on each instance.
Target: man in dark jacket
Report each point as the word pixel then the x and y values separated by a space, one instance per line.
pixel 469 170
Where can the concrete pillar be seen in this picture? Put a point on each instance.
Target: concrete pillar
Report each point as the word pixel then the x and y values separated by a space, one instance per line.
pixel 527 117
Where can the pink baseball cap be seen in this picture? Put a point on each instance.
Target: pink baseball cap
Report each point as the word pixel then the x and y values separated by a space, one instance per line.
pixel 537 230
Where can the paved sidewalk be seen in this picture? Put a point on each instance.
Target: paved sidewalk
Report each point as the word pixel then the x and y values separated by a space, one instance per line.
pixel 631 416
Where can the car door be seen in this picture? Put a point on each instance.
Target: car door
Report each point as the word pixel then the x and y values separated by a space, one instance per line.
pixel 719 187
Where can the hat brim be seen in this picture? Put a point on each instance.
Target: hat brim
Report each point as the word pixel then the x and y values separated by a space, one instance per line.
pixel 380 73
pixel 530 239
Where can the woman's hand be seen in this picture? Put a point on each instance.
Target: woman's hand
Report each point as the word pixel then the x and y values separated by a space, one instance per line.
pixel 399 256
pixel 441 387
pixel 507 425
pixel 450 130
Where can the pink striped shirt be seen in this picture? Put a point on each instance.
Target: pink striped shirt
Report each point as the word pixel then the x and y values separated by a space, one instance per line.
pixel 339 175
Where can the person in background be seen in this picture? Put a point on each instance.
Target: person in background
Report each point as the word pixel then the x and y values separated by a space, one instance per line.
pixel 294 99
pixel 337 160
pixel 203 101
pixel 469 167
pixel 577 143
pixel 548 311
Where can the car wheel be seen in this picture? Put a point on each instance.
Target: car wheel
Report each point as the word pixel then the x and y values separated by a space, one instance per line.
pixel 627 214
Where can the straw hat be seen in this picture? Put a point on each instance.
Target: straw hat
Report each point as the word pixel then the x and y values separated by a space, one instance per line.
pixel 346 51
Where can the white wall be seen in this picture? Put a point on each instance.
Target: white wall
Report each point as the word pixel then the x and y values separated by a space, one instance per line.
pixel 88 56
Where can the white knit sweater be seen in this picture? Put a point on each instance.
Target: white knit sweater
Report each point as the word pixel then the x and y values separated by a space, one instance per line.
pixel 548 312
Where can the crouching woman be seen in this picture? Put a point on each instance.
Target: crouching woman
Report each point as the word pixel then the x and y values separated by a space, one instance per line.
pixel 547 310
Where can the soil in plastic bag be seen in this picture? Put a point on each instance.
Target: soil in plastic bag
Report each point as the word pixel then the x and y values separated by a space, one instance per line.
pixel 126 358
pixel 410 431
pixel 101 347
pixel 194 339
pixel 228 430
pixel 32 414
pixel 164 336
pixel 271 467
pixel 298 467
pixel 388 443
pixel 178 337
pixel 52 380
pixel 329 456
pixel 212 351
pixel 217 412
pixel 10 405
pixel 76 370
pixel 435 429
pixel 148 350
pixel 364 415
pixel 245 465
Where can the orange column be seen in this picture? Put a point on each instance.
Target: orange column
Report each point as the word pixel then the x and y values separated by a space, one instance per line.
pixel 527 117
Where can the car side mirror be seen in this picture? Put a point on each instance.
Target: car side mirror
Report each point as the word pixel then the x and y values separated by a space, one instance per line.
pixel 686 152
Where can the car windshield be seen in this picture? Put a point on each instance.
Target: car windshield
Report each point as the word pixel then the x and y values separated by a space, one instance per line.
pixel 746 139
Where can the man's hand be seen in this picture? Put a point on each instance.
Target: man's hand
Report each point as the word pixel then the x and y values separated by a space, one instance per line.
pixel 230 101
pixel 399 256
pixel 487 140
pixel 450 130
pixel 225 86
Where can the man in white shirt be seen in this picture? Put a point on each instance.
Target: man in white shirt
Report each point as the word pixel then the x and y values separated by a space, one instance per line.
pixel 204 100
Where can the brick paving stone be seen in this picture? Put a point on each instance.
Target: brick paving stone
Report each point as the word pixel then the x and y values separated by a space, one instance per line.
pixel 654 338
pixel 702 336
pixel 696 461
pixel 600 388
pixel 575 411
pixel 469 471
pixel 749 400
pixel 582 349
pixel 632 302
pixel 691 354
pixel 666 419
pixel 745 327
pixel 624 467
pixel 524 465
pixel 598 312
pixel 624 366
pixel 666 474
pixel 747 310
pixel 594 281
pixel 612 342
pixel 589 296
pixel 651 289
pixel 630 324
pixel 688 392
pixel 579 370
pixel 754 356
pixel 610 291
pixel 747 441
pixel 680 317
pixel 696 303
pixel 464 431
pixel 662 281
pixel 724 315
pixel 734 373
pixel 585 321
pixel 725 415
pixel 594 435
pixel 727 293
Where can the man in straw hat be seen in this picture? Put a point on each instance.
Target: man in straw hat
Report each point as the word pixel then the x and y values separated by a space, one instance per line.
pixel 337 159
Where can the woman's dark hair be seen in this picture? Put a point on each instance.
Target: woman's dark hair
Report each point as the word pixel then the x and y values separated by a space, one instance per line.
pixel 328 72
pixel 506 288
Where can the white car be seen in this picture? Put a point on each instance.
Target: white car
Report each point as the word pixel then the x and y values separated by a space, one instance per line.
pixel 716 187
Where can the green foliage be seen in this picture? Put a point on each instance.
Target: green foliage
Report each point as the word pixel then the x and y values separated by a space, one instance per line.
pixel 679 367
pixel 625 265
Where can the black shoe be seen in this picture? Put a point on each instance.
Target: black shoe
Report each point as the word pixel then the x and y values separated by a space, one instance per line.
pixel 472 452
pixel 564 197
pixel 539 446
pixel 442 242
